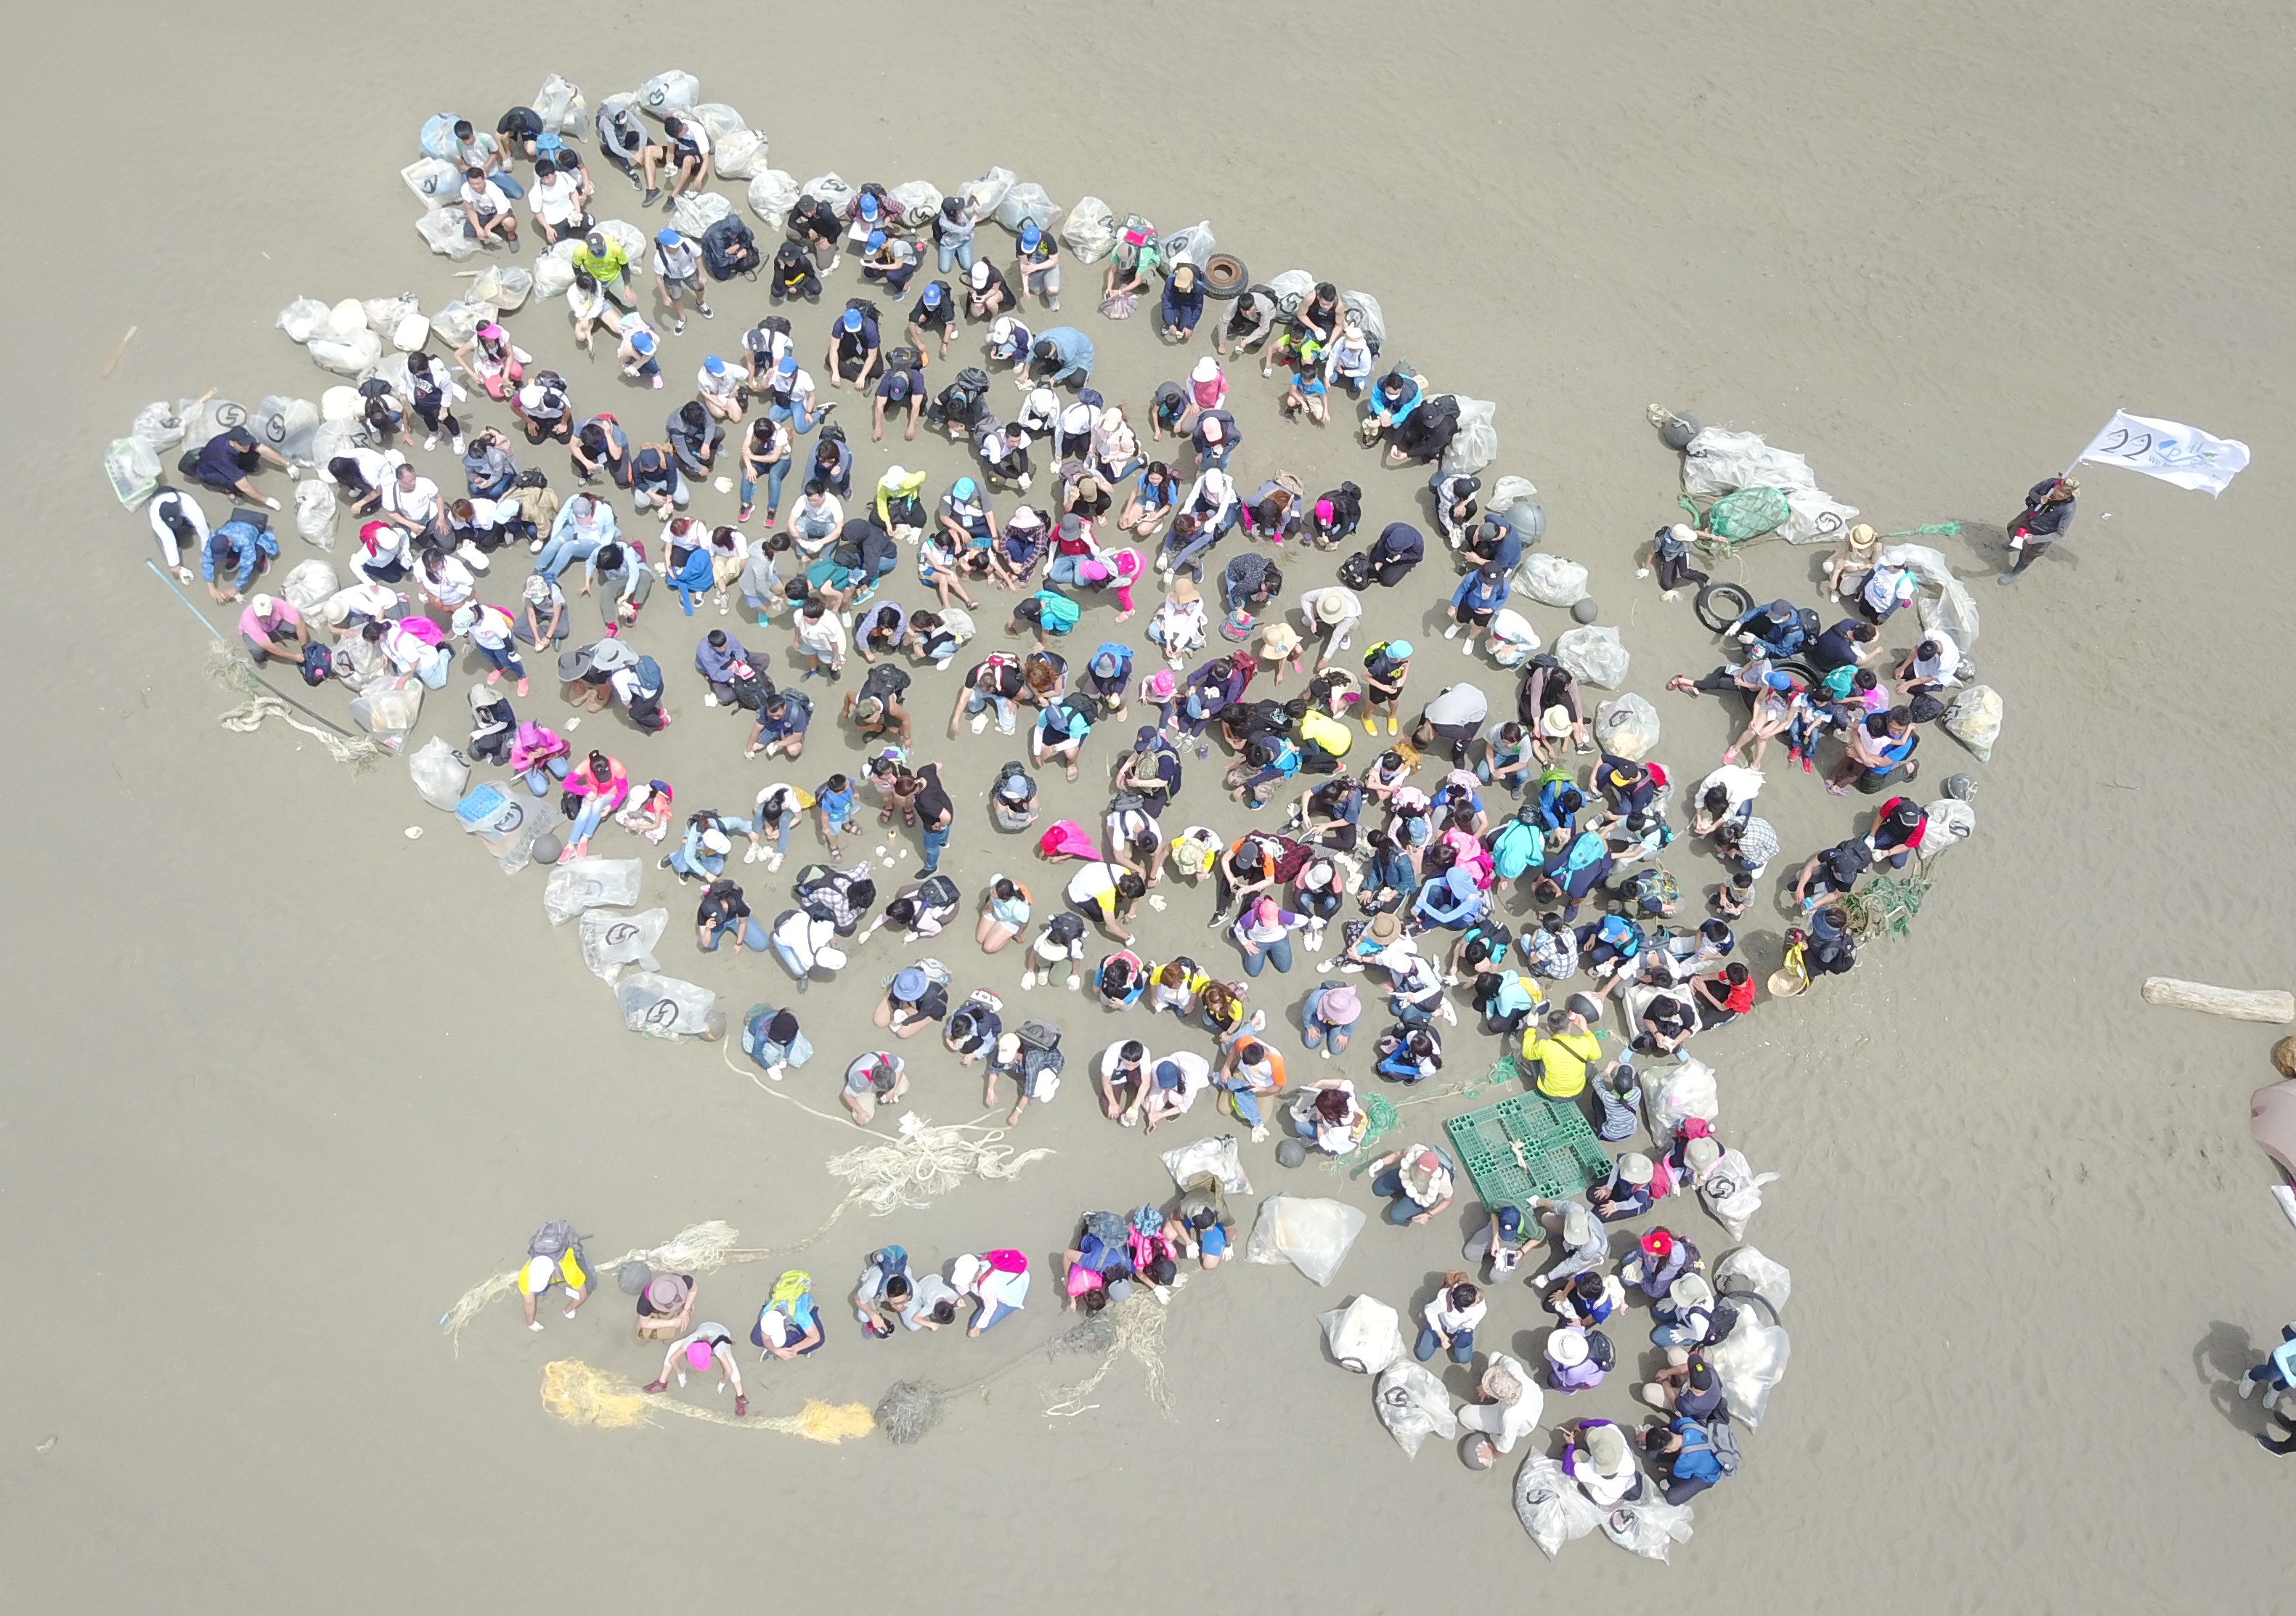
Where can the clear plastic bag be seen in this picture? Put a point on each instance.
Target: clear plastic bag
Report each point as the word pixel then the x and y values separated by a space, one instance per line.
pixel 433 180
pixel 1292 289
pixel 831 190
pixel 772 195
pixel 509 826
pixel 355 355
pixel 553 271
pixel 441 774
pixel 459 322
pixel 336 439
pixel 1193 245
pixel 1732 1191
pixel 1975 719
pixel 383 314
pixel 720 120
pixel 1027 203
pixel 1413 1406
pixel 1748 1362
pixel 986 194
pixel 1313 1235
pixel 1365 309
pixel 436 136
pixel 1366 1336
pixel 696 210
pixel 1592 653
pixel 665 1007
pixel 740 154
pixel 1215 1156
pixel 158 425
pixel 1649 1526
pixel 559 106
pixel 610 942
pixel 1628 728
pixel 1673 1093
pixel 204 418
pixel 1511 641
pixel 1476 444
pixel 303 319
pixel 671 92
pixel 1550 1505
pixel 315 510
pixel 134 470
pixel 507 286
pixel 388 715
pixel 447 233
pixel 347 318
pixel 1951 821
pixel 341 402
pixel 288 424
pixel 590 883
pixel 628 237
pixel 1746 1269
pixel 310 583
pixel 1551 580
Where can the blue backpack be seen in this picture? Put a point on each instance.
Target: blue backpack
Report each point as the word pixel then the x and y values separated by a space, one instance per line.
pixel 649 672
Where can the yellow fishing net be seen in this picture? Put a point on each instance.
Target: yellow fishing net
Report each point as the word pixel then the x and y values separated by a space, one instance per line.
pixel 582 1395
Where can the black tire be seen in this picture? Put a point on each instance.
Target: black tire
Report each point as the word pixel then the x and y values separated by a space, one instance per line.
pixel 1796 669
pixel 1224 277
pixel 1714 610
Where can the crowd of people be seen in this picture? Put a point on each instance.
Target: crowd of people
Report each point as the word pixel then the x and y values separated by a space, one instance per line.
pixel 1422 851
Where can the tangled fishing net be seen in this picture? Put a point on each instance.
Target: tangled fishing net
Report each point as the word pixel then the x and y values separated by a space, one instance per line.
pixel 228 670
pixel 696 1250
pixel 927 1161
pixel 1132 1328
pixel 581 1395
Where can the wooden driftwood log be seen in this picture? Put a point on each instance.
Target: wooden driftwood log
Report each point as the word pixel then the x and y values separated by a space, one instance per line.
pixel 2234 1002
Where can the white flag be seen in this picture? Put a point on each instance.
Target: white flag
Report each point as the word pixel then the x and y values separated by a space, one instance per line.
pixel 2168 450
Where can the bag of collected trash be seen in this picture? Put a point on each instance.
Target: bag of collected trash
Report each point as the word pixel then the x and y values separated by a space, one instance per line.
pixel 441 774
pixel 1194 245
pixel 432 179
pixel 1592 653
pixel 1312 1234
pixel 590 883
pixel 628 237
pixel 384 314
pixel 310 584
pixel 158 425
pixel 1089 231
pixel 1550 580
pixel 1366 1336
pixel 448 233
pixel 1649 1526
pixel 553 271
pixel 1815 517
pixel 1550 1505
pixel 336 439
pixel 986 194
pixel 1510 640
pixel 671 92
pixel 1951 820
pixel 314 511
pixel 1365 309
pixel 1718 461
pixel 1290 289
pixel 1027 203
pixel 341 402
pixel 287 425
pixel 611 942
pixel 1732 1191
pixel 459 322
pixel 1952 607
pixel 559 106
pixel 720 120
pixel 1748 1362
pixel 665 1007
pixel 303 319
pixel 388 715
pixel 1674 1093
pixel 355 355
pixel 1975 719
pixel 772 194
pixel 830 190
pixel 436 136
pixel 507 286
pixel 1413 1405
pixel 1627 727
pixel 1747 1269
pixel 696 210
pixel 410 334
pixel 914 201
pixel 1216 1157
pixel 203 418
pixel 509 826
pixel 1476 444
pixel 740 154
pixel 1748 513
pixel 1506 490
pixel 134 470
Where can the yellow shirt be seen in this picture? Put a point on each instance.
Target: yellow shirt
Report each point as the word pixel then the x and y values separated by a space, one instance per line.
pixel 1326 732
pixel 1564 1060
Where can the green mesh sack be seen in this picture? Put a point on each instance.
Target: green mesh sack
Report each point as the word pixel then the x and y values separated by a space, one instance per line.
pixel 1748 513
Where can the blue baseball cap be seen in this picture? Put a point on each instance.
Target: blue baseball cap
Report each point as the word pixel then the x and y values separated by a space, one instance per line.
pixel 644 342
pixel 1029 236
pixel 868 205
pixel 1168 1075
pixel 666 236
pixel 965 487
pixel 714 366
pixel 852 320
pixel 1400 650
pixel 788 367
pixel 876 240
pixel 932 295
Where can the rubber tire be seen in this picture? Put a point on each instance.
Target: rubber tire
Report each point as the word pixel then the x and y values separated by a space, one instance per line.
pixel 1224 278
pixel 1710 597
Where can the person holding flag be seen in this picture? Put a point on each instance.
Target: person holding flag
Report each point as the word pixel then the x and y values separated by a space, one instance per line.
pixel 2049 506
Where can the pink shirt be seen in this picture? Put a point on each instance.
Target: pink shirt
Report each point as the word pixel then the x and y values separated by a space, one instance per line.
pixel 259 629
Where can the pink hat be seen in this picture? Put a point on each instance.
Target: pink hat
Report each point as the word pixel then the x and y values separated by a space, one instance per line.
pixel 1340 1007
pixel 1163 685
pixel 490 331
pixel 700 1353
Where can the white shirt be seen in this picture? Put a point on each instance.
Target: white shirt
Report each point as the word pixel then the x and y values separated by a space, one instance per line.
pixel 1113 1058
pixel 586 305
pixel 1460 704
pixel 1944 665
pixel 1449 1320
pixel 556 199
pixel 723 384
pixel 405 652
pixel 804 937
pixel 824 639
pixel 417 504
pixel 681 262
pixel 1095 884
pixel 493 629
pixel 175 500
pixel 486 198
pixel 543 402
pixel 1195 1076
pixel 1742 784
pixel 372 466
pixel 452 586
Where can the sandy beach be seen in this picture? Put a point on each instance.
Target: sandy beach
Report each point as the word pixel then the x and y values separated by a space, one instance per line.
pixel 285 1082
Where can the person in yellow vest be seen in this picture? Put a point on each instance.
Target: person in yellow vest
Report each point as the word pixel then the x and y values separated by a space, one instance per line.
pixel 1319 731
pixel 553 1257
pixel 1560 1058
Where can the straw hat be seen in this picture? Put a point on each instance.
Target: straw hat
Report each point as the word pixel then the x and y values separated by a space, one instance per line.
pixel 1863 538
pixel 1385 928
pixel 1606 1446
pixel 1330 608
pixel 1183 589
pixel 1278 641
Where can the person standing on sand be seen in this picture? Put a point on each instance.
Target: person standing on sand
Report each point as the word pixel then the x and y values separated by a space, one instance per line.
pixel 2048 513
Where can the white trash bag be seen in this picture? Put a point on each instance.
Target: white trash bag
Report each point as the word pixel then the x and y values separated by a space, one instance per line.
pixel 559 106
pixel 1674 1094
pixel 1550 580
pixel 1194 245
pixel 1649 1526
pixel 355 355
pixel 1951 821
pixel 986 194
pixel 441 774
pixel 1476 444
pixel 665 1007
pixel 436 138
pixel 611 942
pixel 1366 1336
pixel 1748 1362
pixel 696 210
pixel 1089 231
pixel 553 271
pixel 287 425
pixel 1975 719
pixel 435 182
pixel 720 120
pixel 134 470
pixel 341 402
pixel 1628 728
pixel 739 155
pixel 205 418
pixel 1510 640
pixel 158 425
pixel 1413 1406
pixel 448 233
pixel 1592 653
pixel 388 715
pixel 315 509
pixel 1365 309
pixel 409 335
pixel 1216 1156
pixel 1313 1235
pixel 671 92
pixel 309 584
pixel 590 883
pixel 1732 1191
pixel 1292 289
pixel 507 286
pixel 383 314
pixel 336 439
pixel 1027 203
pixel 1550 1505
pixel 916 202
pixel 459 322
pixel 1746 1269
pixel 832 190
pixel 304 319
pixel 772 195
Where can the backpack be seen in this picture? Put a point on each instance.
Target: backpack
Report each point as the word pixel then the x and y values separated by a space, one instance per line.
pixel 751 690
pixel 868 309
pixel 1354 572
pixel 318 664
pixel 1725 1444
pixel 831 432
pixel 649 672
pixel 905 357
pixel 729 249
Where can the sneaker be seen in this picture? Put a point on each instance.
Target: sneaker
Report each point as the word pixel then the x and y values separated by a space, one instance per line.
pixel 1391 724
pixel 652 193
pixel 705 311
pixel 430 443
pixel 677 326
pixel 709 698
pixel 534 547
pixel 743 515
pixel 473 557
pixel 1053 302
pixel 456 445
pixel 979 721
pixel 656 381
pixel 1452 633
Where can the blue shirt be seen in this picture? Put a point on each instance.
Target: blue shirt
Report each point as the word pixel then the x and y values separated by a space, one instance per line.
pixel 1073 349
pixel 239 541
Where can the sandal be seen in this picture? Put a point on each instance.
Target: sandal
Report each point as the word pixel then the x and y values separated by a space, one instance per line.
pixel 1683 683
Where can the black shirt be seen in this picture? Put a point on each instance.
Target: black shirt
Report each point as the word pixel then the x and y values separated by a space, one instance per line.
pixel 934 319
pixel 721 906
pixel 933 804
pixel 521 123
pixel 1003 679
pixel 1835 648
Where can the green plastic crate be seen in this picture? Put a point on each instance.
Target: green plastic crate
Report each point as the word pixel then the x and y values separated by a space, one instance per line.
pixel 1559 1155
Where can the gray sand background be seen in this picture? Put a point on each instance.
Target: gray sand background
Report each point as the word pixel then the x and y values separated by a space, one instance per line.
pixel 284 1083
